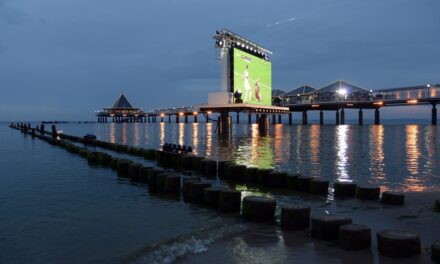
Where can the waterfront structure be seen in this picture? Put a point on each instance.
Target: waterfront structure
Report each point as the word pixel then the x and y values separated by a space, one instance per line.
pixel 246 88
pixel 342 95
pixel 277 93
pixel 337 96
pixel 121 111
pixel 304 89
pixel 246 76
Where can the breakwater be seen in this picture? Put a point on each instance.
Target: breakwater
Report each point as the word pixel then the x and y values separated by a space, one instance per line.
pixel 166 163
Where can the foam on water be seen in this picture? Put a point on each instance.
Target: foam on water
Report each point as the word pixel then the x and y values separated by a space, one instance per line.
pixel 171 250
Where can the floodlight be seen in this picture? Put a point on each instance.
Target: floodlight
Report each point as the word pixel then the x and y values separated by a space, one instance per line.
pixel 342 91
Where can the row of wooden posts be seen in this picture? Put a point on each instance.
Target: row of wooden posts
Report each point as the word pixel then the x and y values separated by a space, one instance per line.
pixel 163 180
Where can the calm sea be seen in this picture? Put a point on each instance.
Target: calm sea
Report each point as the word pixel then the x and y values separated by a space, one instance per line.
pixel 55 208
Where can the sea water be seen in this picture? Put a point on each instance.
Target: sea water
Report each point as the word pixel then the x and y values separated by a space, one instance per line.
pixel 55 208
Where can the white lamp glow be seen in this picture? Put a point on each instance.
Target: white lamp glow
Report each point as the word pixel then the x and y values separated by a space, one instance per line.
pixel 342 91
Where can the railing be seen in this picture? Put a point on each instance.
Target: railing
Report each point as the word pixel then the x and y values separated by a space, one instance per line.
pixel 426 93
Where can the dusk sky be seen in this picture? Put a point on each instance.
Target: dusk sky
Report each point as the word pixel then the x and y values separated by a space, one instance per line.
pixel 64 59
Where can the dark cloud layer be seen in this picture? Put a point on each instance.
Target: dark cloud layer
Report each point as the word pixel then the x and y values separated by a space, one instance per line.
pixel 65 59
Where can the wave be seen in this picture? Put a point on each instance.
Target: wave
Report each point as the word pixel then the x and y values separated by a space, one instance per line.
pixel 171 250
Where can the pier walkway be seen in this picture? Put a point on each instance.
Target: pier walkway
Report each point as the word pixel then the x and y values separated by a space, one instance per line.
pixel 336 97
pixel 342 95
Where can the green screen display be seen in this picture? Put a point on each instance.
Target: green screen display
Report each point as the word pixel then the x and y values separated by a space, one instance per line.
pixel 253 78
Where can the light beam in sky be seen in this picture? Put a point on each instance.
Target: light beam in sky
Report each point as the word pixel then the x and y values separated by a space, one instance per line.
pixel 281 22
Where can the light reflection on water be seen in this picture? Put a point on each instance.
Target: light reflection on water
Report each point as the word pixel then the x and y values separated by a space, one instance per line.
pixel 393 156
pixel 136 134
pixel 413 180
pixel 181 133
pixel 376 152
pixel 112 129
pixel 315 139
pixel 341 153
pixel 299 160
pixel 162 134
pixel 208 142
pixel 195 135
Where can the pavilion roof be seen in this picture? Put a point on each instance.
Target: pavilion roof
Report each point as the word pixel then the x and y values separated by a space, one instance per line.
pixel 122 102
pixel 334 87
pixel 300 90
pixel 277 92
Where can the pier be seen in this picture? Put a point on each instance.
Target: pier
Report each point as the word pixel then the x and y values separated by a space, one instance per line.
pixel 121 111
pixel 341 95
pixel 336 97
pixel 246 88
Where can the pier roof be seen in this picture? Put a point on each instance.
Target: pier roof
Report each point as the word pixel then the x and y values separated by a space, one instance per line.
pixel 122 102
pixel 337 86
pixel 405 88
pixel 300 90
pixel 277 92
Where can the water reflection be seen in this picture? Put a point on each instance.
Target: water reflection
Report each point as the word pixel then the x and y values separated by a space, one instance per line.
pixel 431 148
pixel 247 152
pixel 376 152
pixel 181 134
pixel 315 138
pixel 412 149
pixel 124 133
pixel 341 153
pixel 413 181
pixel 394 156
pixel 162 134
pixel 280 144
pixel 112 133
pixel 299 141
pixel 256 153
pixel 136 134
pixel 209 128
pixel 252 149
pixel 262 153
pixel 195 137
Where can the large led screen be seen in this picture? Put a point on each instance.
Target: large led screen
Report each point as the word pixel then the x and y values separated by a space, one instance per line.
pixel 252 78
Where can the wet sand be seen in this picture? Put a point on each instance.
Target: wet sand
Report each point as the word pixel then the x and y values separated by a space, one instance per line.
pixel 262 243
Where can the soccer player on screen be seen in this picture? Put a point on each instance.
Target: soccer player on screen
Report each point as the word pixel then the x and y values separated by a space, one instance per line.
pixel 247 86
pixel 257 91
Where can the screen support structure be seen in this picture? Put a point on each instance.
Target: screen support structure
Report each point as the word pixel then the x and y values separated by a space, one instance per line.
pixel 225 62
pixel 226 40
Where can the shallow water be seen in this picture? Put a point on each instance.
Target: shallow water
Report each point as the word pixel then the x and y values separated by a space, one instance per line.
pixel 398 157
pixel 55 208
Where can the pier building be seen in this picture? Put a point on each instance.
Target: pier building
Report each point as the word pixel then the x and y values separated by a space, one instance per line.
pixel 342 95
pixel 121 111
